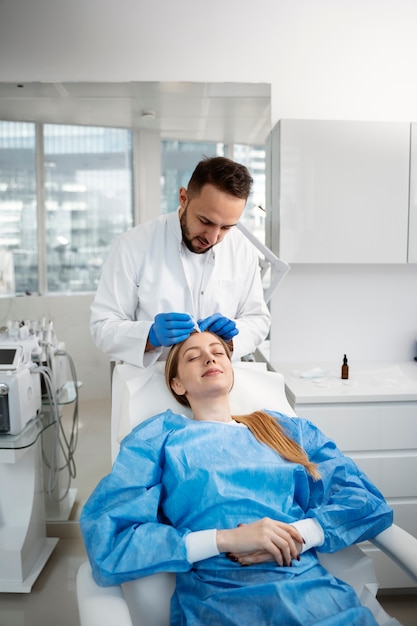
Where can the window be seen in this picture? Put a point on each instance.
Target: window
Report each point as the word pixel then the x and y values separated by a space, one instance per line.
pixel 67 191
pixel 86 199
pixel 179 158
pixel 254 159
pixel 178 161
pixel 18 222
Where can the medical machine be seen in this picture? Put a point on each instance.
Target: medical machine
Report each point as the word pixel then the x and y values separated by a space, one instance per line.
pixel 20 389
pixel 33 378
pixel 37 470
pixel 26 349
pixel 20 396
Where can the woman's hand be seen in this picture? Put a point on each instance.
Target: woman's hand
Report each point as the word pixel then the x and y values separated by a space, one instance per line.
pixel 261 541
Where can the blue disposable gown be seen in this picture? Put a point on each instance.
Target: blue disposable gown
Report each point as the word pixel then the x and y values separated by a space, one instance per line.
pixel 174 475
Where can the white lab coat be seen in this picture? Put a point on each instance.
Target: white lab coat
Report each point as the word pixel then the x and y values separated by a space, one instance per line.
pixel 145 274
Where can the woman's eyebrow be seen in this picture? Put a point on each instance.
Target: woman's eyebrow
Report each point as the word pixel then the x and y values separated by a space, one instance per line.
pixel 191 348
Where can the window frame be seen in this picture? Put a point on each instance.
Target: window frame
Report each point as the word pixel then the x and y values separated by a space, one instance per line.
pixel 146 202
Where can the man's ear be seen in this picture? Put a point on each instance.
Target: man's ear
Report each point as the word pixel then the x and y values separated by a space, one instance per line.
pixel 183 197
pixel 178 387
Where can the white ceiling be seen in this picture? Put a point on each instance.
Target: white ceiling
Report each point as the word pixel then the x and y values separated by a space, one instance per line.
pixel 224 112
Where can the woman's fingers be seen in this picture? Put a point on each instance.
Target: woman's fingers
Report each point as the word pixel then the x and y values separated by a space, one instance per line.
pixel 277 538
pixel 251 558
pixel 254 558
pixel 264 540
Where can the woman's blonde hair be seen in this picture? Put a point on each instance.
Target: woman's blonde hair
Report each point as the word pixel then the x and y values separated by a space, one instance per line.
pixel 269 431
pixel 263 426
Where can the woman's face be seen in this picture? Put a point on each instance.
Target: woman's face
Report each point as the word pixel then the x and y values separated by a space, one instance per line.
pixel 204 368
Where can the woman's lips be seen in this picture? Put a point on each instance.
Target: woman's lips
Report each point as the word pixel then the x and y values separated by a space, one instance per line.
pixel 212 372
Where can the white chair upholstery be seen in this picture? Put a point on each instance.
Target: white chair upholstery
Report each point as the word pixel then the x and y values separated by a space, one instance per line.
pixel 139 394
pixel 100 606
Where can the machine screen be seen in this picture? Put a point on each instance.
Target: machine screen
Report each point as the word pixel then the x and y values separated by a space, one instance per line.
pixel 7 356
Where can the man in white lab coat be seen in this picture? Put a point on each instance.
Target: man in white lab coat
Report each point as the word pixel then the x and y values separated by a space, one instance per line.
pixel 163 276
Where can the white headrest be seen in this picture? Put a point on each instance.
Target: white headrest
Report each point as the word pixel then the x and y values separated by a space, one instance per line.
pixel 141 393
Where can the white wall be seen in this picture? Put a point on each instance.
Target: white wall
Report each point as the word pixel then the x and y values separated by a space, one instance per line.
pixel 348 59
pixel 368 312
pixel 344 59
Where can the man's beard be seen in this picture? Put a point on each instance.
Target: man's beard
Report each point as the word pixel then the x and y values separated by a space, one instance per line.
pixel 186 235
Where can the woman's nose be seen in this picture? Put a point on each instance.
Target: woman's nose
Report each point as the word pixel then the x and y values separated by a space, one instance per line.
pixel 209 359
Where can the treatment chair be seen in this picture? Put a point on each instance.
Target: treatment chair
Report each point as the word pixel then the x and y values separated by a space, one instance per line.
pixel 139 394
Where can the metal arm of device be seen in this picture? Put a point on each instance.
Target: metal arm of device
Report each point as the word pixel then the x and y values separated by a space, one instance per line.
pixel 278 267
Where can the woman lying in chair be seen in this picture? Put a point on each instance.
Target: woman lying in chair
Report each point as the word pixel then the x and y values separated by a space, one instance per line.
pixel 235 506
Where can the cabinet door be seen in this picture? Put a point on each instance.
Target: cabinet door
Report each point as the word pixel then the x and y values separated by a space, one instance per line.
pixel 339 191
pixel 412 237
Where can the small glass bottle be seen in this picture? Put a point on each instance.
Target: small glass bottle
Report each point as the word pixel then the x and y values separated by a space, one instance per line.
pixel 345 368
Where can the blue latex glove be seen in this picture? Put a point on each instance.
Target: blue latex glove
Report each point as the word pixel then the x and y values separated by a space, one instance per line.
pixel 170 328
pixel 219 325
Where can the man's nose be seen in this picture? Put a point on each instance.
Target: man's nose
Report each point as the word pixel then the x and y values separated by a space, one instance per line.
pixel 212 234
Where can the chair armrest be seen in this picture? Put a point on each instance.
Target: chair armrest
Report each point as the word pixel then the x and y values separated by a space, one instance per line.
pixel 100 606
pixel 401 547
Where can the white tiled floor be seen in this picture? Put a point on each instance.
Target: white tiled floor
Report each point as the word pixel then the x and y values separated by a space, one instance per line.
pixel 52 601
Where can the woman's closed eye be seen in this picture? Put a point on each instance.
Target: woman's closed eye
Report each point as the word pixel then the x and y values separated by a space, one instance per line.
pixel 197 356
pixel 193 354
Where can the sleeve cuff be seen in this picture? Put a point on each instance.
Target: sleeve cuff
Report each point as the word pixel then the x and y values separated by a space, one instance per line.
pixel 311 532
pixel 201 545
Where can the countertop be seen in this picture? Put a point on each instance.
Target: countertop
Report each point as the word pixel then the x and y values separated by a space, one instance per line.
pixel 316 382
pixel 367 382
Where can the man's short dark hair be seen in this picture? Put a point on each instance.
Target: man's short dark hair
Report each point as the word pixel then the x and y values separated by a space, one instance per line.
pixel 224 174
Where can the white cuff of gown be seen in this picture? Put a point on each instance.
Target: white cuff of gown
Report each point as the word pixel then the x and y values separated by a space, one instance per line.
pixel 311 532
pixel 201 544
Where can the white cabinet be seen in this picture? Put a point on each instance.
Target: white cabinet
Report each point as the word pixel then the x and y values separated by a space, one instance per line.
pixel 412 238
pixel 338 191
pixel 373 419
pixel 24 545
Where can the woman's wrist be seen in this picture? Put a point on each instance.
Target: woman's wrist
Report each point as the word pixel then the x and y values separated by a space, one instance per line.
pixel 201 545
pixel 311 531
pixel 223 540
